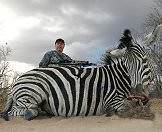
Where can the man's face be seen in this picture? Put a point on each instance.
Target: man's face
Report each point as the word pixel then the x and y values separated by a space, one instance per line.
pixel 59 46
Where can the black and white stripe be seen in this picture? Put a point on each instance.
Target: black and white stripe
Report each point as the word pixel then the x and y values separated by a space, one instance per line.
pixel 138 63
pixel 69 91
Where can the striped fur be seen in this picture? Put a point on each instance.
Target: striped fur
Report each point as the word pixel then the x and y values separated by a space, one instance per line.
pixel 138 64
pixel 69 91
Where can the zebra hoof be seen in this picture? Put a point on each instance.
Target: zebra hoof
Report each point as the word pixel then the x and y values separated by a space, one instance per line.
pixel 110 112
pixel 28 115
pixel 5 116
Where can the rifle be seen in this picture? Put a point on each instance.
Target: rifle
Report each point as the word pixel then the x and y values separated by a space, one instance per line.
pixel 73 63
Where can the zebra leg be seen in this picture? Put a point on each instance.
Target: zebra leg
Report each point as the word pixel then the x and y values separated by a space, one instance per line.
pixel 109 111
pixel 27 108
pixel 30 114
pixel 8 107
pixel 44 109
pixel 5 116
pixel 146 89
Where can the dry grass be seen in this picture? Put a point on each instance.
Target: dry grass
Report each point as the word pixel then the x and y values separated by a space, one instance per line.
pixel 3 99
pixel 139 111
pixel 1 104
pixel 156 105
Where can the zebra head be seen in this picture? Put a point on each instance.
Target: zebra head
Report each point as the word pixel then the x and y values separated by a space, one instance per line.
pixel 136 59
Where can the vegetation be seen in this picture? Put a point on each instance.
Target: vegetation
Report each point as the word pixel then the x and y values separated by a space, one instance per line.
pixel 152 20
pixel 7 77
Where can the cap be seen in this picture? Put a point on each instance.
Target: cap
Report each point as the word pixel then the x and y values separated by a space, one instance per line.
pixel 59 40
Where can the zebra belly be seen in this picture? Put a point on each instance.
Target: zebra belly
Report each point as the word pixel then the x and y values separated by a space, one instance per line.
pixel 81 105
pixel 64 111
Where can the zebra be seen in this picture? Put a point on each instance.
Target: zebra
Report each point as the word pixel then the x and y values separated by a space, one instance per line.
pixel 69 91
pixel 136 59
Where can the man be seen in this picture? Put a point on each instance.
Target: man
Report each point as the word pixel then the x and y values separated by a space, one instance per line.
pixel 55 56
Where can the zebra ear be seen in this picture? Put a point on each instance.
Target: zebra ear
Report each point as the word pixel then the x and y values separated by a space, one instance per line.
pixel 118 52
pixel 148 39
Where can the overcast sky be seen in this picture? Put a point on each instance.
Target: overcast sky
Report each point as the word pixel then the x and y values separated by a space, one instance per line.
pixel 89 27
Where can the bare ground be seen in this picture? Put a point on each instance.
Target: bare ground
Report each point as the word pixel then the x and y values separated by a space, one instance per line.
pixel 86 124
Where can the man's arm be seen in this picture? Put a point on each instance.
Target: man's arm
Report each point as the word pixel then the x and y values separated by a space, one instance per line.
pixel 67 59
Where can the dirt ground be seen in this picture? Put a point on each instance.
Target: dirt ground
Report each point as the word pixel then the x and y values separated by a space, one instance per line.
pixel 86 124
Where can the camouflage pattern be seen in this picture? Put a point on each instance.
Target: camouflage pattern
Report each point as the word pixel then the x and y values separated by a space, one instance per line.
pixel 54 57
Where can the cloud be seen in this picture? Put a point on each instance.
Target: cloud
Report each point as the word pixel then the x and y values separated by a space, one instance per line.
pixel 20 67
pixel 88 27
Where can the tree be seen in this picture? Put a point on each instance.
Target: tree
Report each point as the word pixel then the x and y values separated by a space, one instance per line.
pixel 152 20
pixel 7 76
pixel 4 84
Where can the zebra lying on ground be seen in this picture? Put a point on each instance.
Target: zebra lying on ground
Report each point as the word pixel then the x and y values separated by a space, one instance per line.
pixel 69 91
pixel 136 60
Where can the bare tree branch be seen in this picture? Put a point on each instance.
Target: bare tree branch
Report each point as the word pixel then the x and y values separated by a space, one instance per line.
pixel 152 20
pixel 6 79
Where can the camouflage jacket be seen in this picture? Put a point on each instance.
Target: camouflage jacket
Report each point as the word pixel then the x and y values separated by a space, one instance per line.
pixel 54 57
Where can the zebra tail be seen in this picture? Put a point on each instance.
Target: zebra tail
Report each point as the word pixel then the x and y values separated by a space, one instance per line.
pixel 7 108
